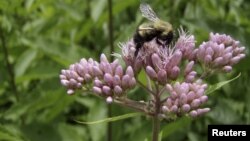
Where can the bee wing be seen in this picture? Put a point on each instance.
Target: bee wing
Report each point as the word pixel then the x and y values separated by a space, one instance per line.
pixel 148 12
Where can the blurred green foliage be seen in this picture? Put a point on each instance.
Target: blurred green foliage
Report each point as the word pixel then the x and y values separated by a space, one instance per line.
pixel 41 37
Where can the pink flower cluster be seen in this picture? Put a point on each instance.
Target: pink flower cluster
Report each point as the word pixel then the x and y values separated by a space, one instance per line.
pixel 221 52
pixel 113 81
pixel 78 74
pixel 171 68
pixel 186 98
pixel 108 79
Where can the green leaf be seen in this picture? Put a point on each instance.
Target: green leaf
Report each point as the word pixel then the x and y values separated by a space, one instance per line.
pixel 112 119
pixel 173 126
pixel 97 9
pixel 28 4
pixel 160 136
pixel 24 61
pixel 9 134
pixel 72 133
pixel 216 86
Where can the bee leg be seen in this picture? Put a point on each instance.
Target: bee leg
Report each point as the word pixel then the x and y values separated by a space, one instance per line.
pixel 160 42
pixel 138 40
pixel 166 39
pixel 138 47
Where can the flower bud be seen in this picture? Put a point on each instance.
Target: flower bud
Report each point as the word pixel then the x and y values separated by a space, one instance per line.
pixel 235 60
pixel 241 50
pixel 174 95
pixel 70 91
pixel 125 81
pixel 118 90
pixel 174 109
pixel 201 51
pixel 169 102
pixel 209 51
pixel 64 82
pixel 221 48
pixel 189 78
pixel 73 82
pixel 174 73
pixel 74 75
pixel 193 113
pixel 87 77
pixel 228 50
pixel 130 71
pixel 165 109
pixel 106 90
pixel 195 103
pixel 97 71
pixel 218 61
pixel 189 67
pixel 132 82
pixel 156 60
pixel 202 111
pixel 117 80
pixel 169 87
pixel 80 70
pixel 176 58
pixel 162 76
pixel 119 71
pixel 80 79
pixel 98 83
pixel 227 69
pixel 183 99
pixel 114 64
pixel 91 61
pixel 137 65
pixel 203 99
pixel 151 72
pixel 97 90
pixel 107 68
pixel 83 62
pixel 186 108
pixel 242 56
pixel 109 99
pixel 227 57
pixel 103 58
pixel 200 92
pixel 208 59
pixel 90 69
pixel 108 78
pixel 177 102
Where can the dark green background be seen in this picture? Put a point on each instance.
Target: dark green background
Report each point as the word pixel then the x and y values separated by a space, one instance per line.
pixel 44 36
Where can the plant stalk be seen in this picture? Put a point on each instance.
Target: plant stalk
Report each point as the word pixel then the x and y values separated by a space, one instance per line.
pixel 156 121
pixel 9 65
pixel 111 43
pixel 156 128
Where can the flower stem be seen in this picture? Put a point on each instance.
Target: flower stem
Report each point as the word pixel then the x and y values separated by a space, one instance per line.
pixel 156 128
pixel 138 106
pixel 9 65
pixel 156 121
pixel 111 43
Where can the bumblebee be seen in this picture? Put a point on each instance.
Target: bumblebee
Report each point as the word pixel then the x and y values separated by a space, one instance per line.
pixel 161 30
